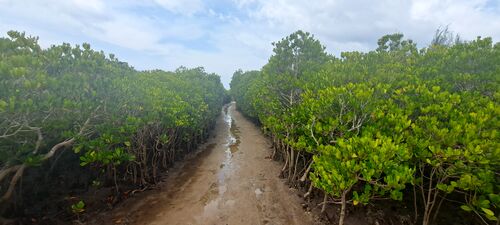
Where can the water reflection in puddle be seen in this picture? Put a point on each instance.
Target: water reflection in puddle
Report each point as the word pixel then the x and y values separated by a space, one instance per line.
pixel 232 143
pixel 212 198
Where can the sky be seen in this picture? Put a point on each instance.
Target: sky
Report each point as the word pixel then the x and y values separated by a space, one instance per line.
pixel 225 35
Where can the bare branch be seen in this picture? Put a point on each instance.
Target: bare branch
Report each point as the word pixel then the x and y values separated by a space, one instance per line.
pixel 19 169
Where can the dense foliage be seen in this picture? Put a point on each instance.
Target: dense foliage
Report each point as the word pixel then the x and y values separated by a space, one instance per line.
pixel 122 125
pixel 398 122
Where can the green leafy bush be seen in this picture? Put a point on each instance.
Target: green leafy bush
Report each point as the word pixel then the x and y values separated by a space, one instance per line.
pixel 124 125
pixel 368 125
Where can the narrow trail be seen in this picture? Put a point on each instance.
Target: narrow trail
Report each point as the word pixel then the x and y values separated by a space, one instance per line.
pixel 232 181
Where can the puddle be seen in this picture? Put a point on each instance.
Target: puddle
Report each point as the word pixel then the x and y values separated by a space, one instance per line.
pixel 210 194
pixel 233 148
pixel 213 196
pixel 232 143
pixel 213 193
pixel 235 137
pixel 258 192
pixel 235 132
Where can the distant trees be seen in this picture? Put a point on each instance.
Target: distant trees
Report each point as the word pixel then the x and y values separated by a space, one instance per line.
pixel 294 57
pixel 395 42
pixel 296 54
pixel 444 37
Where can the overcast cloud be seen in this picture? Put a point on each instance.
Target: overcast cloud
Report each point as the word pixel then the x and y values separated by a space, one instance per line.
pixel 225 35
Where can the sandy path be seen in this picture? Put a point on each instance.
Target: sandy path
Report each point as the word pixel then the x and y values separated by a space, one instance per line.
pixel 231 182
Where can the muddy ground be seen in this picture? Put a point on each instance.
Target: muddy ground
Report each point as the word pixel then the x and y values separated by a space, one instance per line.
pixel 230 181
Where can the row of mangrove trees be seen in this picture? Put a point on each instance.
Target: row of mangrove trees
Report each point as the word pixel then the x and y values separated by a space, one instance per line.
pixel 397 122
pixel 72 118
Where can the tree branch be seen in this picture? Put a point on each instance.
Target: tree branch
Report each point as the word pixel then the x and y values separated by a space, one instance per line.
pixel 19 169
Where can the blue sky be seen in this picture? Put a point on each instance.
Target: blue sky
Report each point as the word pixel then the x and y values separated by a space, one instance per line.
pixel 226 35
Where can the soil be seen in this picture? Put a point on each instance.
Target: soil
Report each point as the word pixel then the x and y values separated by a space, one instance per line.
pixel 232 180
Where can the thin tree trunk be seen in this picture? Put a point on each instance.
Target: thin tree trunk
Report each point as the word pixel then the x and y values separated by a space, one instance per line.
pixel 13 182
pixel 437 210
pixel 114 179
pixel 291 163
pixel 297 157
pixel 429 203
pixel 304 176
pixel 415 204
pixel 323 207
pixel 309 190
pixel 286 163
pixel 343 207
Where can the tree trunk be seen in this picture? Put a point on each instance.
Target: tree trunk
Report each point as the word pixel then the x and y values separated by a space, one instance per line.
pixel 291 163
pixel 304 176
pixel 323 207
pixel 343 207
pixel 309 190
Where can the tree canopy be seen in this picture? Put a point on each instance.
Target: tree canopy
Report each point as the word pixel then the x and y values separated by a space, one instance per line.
pixel 107 122
pixel 385 123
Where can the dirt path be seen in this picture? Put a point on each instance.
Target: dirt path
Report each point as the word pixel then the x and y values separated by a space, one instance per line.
pixel 231 182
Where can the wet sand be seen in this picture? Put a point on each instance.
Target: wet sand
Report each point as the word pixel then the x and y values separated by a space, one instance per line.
pixel 230 181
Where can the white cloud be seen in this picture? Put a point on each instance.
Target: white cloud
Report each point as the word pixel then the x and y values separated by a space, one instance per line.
pixel 92 5
pixel 469 18
pixel 185 7
pixel 363 21
pixel 224 35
